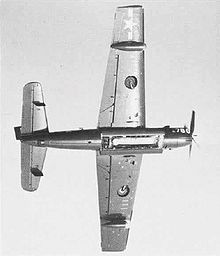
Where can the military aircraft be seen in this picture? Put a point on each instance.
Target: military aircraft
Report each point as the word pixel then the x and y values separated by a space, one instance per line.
pixel 121 137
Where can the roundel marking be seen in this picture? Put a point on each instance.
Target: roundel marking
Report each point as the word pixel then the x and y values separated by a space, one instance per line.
pixel 131 82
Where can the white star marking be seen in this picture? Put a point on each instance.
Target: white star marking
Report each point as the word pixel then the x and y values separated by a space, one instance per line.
pixel 129 24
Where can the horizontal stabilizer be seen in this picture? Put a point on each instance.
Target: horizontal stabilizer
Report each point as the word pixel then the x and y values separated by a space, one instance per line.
pixel 32 160
pixel 33 109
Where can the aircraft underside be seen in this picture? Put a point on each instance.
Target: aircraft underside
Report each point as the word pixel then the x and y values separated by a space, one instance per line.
pixel 121 137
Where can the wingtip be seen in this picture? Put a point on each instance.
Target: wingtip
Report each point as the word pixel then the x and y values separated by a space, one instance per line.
pixel 28 189
pixel 32 83
pixel 112 250
pixel 130 6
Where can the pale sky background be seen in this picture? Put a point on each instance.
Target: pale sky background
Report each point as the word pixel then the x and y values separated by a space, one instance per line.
pixel 65 45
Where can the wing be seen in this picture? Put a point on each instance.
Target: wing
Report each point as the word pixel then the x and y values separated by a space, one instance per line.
pixel 117 181
pixel 123 98
pixel 32 160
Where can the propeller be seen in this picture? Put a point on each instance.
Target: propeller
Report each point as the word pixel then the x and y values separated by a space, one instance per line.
pixel 192 128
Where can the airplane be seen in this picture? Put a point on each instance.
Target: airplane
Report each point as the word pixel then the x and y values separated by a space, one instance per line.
pixel 121 137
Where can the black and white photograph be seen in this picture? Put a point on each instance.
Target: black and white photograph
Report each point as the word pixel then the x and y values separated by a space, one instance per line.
pixel 110 128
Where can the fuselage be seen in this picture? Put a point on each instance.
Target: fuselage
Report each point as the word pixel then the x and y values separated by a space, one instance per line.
pixel 113 140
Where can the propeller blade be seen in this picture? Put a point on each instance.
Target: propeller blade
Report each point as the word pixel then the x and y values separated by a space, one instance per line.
pixel 192 127
pixel 190 150
pixel 192 124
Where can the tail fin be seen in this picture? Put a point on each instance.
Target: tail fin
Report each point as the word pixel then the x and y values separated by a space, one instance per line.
pixel 33 109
